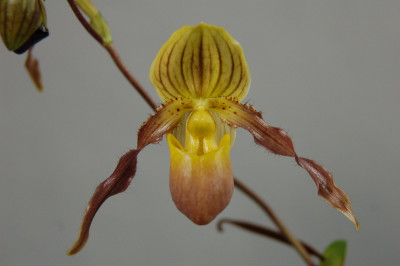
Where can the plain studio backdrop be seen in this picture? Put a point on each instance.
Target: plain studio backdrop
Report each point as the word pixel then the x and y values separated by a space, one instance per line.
pixel 328 72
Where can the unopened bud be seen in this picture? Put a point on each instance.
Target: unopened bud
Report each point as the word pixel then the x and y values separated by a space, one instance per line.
pixel 22 23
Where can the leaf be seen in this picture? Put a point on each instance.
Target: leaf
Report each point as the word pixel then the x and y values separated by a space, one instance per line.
pixel 335 254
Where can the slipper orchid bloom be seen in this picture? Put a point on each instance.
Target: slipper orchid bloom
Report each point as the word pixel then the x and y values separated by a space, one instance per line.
pixel 202 76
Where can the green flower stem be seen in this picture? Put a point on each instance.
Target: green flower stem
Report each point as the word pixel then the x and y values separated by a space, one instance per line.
pixel 114 55
pixel 293 240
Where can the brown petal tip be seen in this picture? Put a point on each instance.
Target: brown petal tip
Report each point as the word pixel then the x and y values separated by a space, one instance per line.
pixel 327 188
pixel 78 245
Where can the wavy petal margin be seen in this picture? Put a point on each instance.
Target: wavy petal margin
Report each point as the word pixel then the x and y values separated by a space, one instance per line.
pixel 118 182
pixel 164 121
pixel 327 188
pixel 278 141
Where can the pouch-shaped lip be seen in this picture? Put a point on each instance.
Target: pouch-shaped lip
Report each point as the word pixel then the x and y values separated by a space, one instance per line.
pixel 201 185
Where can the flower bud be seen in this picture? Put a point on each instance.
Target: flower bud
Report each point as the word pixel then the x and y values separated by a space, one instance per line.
pixel 22 24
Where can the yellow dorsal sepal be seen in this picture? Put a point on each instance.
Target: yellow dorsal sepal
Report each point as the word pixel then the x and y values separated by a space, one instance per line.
pixel 200 61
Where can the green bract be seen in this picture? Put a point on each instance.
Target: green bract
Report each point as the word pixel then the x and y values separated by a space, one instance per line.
pixel 97 21
pixel 22 23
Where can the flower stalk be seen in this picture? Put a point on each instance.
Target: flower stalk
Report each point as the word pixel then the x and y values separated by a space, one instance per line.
pixel 112 51
pixel 285 231
pixel 262 230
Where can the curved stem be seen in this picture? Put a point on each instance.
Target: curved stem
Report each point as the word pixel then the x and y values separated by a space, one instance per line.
pixel 132 80
pixel 262 230
pixel 114 55
pixel 293 240
pixel 84 23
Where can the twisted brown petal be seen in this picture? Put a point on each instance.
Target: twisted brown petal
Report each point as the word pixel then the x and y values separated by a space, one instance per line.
pixel 327 188
pixel 118 182
pixel 278 141
pixel 164 121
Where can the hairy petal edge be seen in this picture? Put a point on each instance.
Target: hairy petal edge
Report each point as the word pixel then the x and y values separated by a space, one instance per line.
pixel 327 188
pixel 278 141
pixel 163 121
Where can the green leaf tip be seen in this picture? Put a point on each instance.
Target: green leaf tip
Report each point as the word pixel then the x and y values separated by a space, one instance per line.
pixel 335 254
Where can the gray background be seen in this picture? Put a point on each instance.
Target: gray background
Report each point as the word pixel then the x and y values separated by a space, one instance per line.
pixel 326 71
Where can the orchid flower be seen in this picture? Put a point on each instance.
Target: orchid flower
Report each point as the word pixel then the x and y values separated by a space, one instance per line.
pixel 202 76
